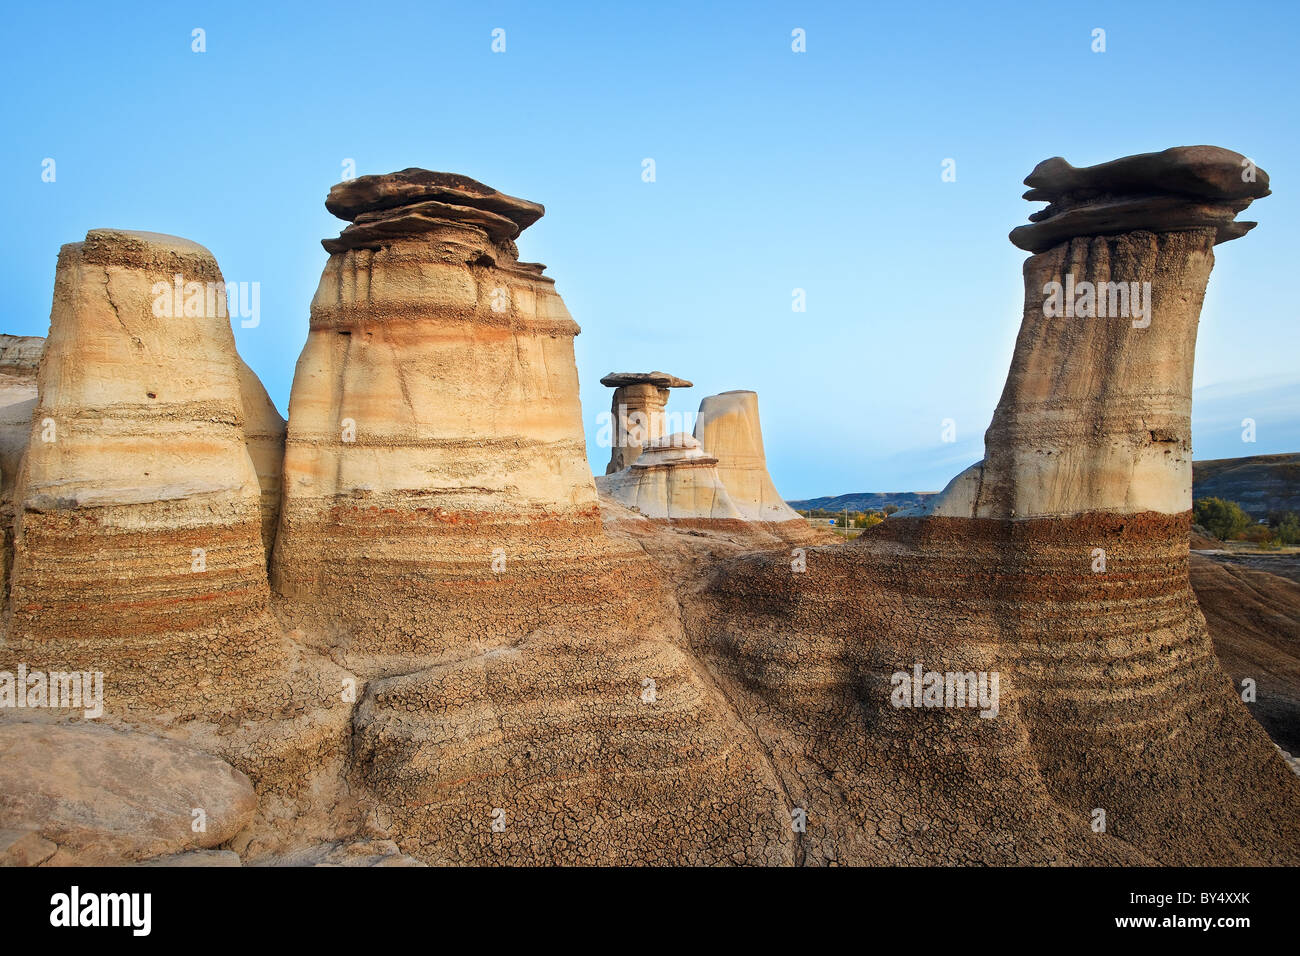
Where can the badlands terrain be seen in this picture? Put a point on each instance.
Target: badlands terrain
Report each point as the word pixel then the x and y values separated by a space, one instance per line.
pixel 408 626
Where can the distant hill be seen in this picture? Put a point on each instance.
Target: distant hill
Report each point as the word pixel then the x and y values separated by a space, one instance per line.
pixel 1259 483
pixel 863 501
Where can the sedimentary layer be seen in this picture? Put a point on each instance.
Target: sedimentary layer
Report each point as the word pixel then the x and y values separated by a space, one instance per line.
pixel 138 548
pixel 1110 697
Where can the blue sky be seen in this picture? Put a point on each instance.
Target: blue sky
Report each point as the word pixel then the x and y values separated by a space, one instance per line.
pixel 775 170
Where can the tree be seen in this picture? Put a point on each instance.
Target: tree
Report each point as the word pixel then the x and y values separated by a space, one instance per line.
pixel 1223 519
pixel 1287 528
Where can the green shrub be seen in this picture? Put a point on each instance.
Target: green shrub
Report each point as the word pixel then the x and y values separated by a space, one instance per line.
pixel 1223 519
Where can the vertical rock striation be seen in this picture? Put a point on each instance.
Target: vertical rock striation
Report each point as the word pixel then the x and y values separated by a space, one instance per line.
pixel 19 357
pixel 1096 413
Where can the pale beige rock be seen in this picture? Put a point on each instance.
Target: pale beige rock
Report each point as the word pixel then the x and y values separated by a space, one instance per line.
pixel 137 542
pixel 436 492
pixel 19 357
pixel 672 479
pixel 106 797
pixel 1096 412
pixel 728 428
pixel 264 431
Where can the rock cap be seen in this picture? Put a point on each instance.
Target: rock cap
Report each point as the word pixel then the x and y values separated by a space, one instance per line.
pixel 412 201
pixel 661 379
pixel 1185 187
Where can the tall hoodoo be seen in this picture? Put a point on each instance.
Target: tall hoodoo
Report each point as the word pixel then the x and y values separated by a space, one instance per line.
pixel 138 546
pixel 637 416
pixel 440 531
pixel 1059 564
pixel 1096 413
pixel 435 471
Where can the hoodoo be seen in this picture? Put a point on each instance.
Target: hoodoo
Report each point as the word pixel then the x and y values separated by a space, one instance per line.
pixel 1096 413
pixel 436 492
pixel 440 530
pixel 1059 565
pixel 637 415
pixel 138 548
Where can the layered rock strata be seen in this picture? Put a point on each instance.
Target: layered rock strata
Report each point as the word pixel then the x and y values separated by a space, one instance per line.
pixel 637 413
pixel 436 493
pixel 19 357
pixel 1059 568
pixel 440 532
pixel 264 430
pixel 138 547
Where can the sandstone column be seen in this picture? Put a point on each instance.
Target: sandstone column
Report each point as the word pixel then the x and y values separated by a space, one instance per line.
pixel 637 415
pixel 19 357
pixel 138 548
pixel 728 428
pixel 1096 412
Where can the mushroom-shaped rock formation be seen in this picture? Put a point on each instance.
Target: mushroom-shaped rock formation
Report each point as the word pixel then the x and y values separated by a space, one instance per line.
pixel 673 479
pixel 436 491
pixel 728 428
pixel 1096 413
pixel 637 415
pixel 138 548
pixel 1031 652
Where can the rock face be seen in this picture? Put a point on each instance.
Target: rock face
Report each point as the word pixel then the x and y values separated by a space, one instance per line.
pixel 90 796
pixel 637 415
pixel 264 436
pixel 1096 413
pixel 138 548
pixel 544 678
pixel 19 356
pixel 673 480
pixel 1059 567
pixel 728 429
